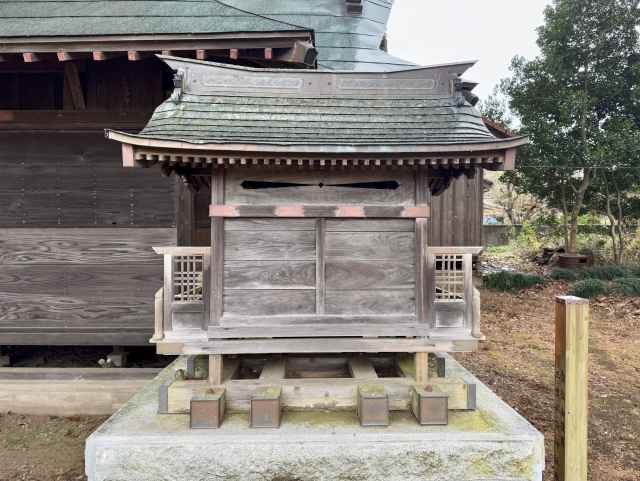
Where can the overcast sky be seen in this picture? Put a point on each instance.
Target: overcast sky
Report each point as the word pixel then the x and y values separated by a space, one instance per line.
pixel 491 31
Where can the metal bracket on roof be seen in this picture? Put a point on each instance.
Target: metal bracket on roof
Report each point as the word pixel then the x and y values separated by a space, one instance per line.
pixel 178 84
pixel 354 7
pixel 458 92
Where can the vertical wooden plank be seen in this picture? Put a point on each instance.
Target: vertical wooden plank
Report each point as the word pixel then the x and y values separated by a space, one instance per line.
pixel 158 318
pixel 74 86
pixel 478 221
pixel 217 248
pixel 422 233
pixel 572 376
pixel 467 266
pixel 422 368
pixel 215 370
pixel 168 290
pixel 185 218
pixel 206 288
pixel 321 228
pixel 430 289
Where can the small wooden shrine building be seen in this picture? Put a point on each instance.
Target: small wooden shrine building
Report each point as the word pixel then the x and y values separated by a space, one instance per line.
pixel 321 190
pixel 76 230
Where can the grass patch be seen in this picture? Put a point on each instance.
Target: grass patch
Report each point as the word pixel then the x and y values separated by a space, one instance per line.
pixel 570 275
pixel 627 286
pixel 511 281
pixel 606 272
pixel 498 250
pixel 590 288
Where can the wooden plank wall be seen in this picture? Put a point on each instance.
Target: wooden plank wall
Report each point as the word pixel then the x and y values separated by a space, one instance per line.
pixel 76 265
pixel 76 228
pixel 456 214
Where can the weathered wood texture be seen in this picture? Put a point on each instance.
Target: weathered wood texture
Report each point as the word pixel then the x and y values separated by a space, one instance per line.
pixel 456 214
pixel 76 180
pixel 69 391
pixel 116 85
pixel 79 286
pixel 320 187
pixel 572 396
pixel 279 267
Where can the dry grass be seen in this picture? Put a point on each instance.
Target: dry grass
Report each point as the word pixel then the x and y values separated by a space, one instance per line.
pixel 517 362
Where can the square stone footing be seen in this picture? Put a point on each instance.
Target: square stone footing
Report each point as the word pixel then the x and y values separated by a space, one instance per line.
pixel 493 443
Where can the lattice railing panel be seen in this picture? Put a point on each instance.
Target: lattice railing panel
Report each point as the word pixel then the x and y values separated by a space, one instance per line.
pixel 449 278
pixel 188 278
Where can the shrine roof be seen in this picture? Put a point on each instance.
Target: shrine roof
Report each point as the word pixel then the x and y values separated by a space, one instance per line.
pixel 306 110
pixel 344 41
pixel 45 18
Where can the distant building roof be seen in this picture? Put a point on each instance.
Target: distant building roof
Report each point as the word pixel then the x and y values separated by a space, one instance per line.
pixel 313 111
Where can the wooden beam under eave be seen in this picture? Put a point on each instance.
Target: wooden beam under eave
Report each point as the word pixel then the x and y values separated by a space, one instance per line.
pixel 133 55
pixel 30 57
pixel 268 53
pixel 100 56
pixel 65 56
pixel 202 54
pixel 128 159
pixel 301 53
pixel 234 54
pixel 510 159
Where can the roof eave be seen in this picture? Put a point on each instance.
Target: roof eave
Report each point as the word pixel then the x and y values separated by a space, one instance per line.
pixel 494 155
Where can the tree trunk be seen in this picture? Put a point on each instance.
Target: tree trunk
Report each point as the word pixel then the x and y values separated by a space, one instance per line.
pixel 565 217
pixel 572 245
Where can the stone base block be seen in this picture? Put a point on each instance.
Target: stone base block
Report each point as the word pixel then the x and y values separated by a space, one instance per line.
pixel 492 443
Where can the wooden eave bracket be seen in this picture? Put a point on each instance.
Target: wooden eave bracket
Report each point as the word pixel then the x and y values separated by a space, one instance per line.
pixel 288 46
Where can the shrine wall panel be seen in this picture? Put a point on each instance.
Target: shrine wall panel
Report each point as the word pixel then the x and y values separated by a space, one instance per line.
pixel 275 186
pixel 457 214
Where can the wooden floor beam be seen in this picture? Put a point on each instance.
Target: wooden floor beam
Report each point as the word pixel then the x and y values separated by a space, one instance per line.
pixel 69 391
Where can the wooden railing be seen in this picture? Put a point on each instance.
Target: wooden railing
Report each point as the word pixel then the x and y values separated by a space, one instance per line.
pixel 185 296
pixel 453 304
pixel 182 305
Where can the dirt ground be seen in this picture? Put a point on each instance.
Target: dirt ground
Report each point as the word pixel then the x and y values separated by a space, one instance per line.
pixel 516 361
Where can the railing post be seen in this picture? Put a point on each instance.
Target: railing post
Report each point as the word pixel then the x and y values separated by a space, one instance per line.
pixel 572 376
pixel 158 334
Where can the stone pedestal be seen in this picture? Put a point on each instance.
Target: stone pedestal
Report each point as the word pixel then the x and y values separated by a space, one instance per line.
pixel 493 443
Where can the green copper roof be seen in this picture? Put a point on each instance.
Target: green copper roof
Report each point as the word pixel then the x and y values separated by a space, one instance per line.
pixel 42 18
pixel 344 42
pixel 219 104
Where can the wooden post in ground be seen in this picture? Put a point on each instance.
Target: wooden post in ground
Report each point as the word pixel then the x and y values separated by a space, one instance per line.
pixel 572 375
pixel 422 368
pixel 215 370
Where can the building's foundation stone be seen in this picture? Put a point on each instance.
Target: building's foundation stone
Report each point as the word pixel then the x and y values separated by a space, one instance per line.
pixel 493 443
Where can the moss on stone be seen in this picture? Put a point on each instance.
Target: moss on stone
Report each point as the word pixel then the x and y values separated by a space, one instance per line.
pixel 521 468
pixel 430 463
pixel 502 462
pixel 321 418
pixel 478 421
pixel 372 390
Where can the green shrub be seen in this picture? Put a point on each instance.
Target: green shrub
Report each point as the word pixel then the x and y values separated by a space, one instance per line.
pixel 590 288
pixel 511 281
pixel 560 274
pixel 606 272
pixel 627 286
